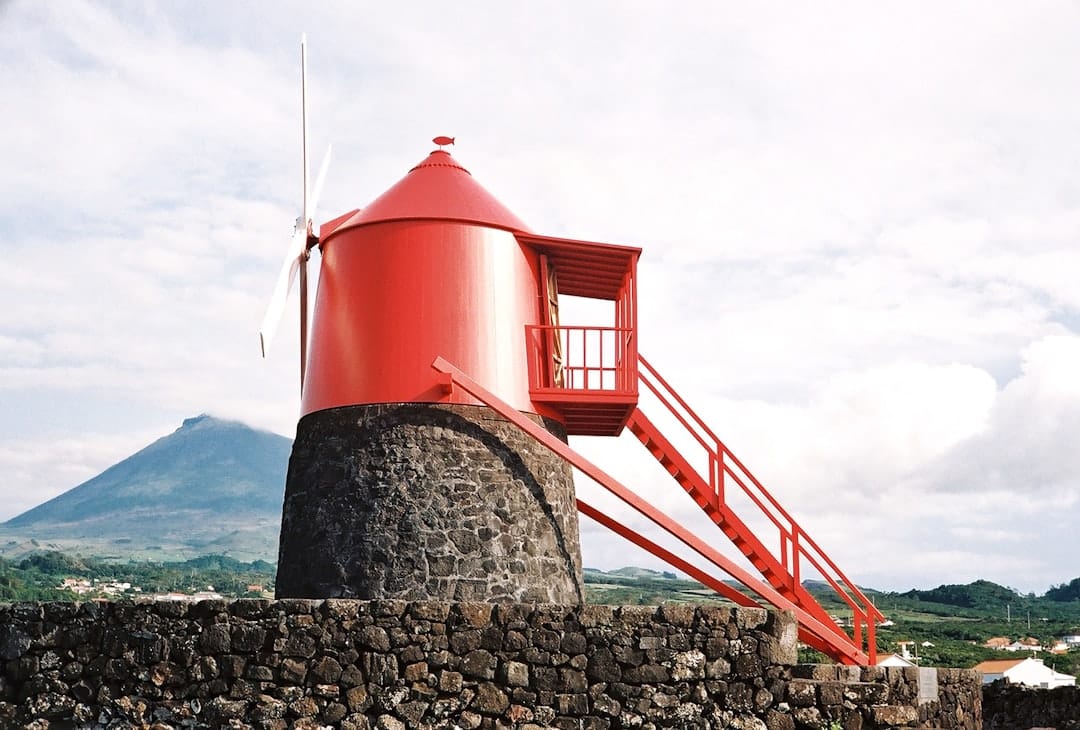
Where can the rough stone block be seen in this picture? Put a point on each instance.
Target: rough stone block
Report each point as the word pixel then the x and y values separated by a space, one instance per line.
pixel 688 665
pixel 808 717
pixel 479 663
pixel 462 642
pixel 593 616
pixel 514 674
pixel 817 672
pixel 572 643
pixel 634 616
pixel 389 722
pixel 750 618
pixel 476 615
pixel 602 666
pixel 831 693
pixel 647 674
pixel 430 610
pixel 677 614
pixel 775 720
pixel 490 699
pixel 450 682
pixel 417 672
pixel 894 715
pixel 572 704
pixel 374 638
pixel 357 698
pixel 802 693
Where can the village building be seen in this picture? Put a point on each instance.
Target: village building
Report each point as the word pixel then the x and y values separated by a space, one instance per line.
pixel 1030 672
pixel 893 660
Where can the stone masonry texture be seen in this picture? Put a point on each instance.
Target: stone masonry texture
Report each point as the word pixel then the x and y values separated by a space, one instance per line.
pixel 421 501
pixel 392 664
pixel 1014 706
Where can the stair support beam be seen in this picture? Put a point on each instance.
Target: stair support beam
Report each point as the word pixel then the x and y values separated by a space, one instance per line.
pixel 841 645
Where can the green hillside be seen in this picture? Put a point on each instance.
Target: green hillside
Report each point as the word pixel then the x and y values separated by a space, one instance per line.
pixel 972 595
pixel 39 577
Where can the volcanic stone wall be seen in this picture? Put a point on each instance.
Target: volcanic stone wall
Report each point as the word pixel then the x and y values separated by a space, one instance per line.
pixel 885 696
pixel 1016 707
pixel 419 501
pixel 393 664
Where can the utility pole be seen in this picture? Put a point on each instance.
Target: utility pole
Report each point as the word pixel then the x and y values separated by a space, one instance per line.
pixel 1008 613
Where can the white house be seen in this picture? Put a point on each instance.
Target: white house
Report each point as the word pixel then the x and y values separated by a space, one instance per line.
pixel 893 660
pixel 1031 672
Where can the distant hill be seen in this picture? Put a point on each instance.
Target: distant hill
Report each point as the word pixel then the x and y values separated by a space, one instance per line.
pixel 210 486
pixel 1066 592
pixel 632 572
pixel 979 593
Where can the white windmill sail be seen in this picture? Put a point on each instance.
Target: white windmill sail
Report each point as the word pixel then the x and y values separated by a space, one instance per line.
pixel 297 254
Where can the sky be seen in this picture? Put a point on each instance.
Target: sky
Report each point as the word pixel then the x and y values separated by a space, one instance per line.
pixel 860 226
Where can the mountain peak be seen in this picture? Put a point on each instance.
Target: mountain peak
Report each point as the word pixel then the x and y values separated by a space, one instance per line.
pixel 210 472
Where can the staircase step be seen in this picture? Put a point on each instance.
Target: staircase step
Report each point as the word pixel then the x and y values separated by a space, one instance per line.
pixel 699 489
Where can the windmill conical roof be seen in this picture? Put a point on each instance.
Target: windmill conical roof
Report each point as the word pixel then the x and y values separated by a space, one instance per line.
pixel 437 188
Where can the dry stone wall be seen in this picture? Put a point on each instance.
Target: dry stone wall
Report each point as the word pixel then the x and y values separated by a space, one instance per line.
pixel 391 664
pixel 1016 707
pixel 887 696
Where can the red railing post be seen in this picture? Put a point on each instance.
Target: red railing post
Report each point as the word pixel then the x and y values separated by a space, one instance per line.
pixel 795 548
pixel 714 480
pixel 720 477
pixel 871 640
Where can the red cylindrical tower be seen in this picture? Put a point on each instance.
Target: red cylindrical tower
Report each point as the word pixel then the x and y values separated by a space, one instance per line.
pixel 430 268
pixel 400 487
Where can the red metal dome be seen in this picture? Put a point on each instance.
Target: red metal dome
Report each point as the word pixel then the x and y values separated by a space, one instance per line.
pixel 437 188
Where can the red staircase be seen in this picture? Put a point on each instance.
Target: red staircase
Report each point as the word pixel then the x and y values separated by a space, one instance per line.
pixel 781 569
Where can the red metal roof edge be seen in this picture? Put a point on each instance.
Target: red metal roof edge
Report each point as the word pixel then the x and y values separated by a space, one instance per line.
pixel 535 239
pixel 349 224
pixel 330 227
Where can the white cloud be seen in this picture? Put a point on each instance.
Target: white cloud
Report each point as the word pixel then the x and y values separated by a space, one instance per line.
pixel 965 478
pixel 1029 445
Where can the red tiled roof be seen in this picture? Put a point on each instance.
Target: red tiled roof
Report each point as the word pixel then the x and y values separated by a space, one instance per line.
pixel 996 666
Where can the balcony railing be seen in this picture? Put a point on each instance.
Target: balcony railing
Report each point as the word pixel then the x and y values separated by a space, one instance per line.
pixel 586 359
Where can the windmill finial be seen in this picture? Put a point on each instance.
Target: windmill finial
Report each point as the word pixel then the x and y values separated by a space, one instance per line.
pixel 442 141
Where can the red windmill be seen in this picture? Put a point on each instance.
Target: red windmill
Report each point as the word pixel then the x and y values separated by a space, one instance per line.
pixel 438 366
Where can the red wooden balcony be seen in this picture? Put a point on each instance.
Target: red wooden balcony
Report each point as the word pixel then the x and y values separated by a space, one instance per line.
pixel 588 374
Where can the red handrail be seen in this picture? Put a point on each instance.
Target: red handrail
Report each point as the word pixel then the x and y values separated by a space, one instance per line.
pixel 721 463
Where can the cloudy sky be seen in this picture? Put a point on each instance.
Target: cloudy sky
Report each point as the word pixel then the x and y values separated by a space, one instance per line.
pixel 860 223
